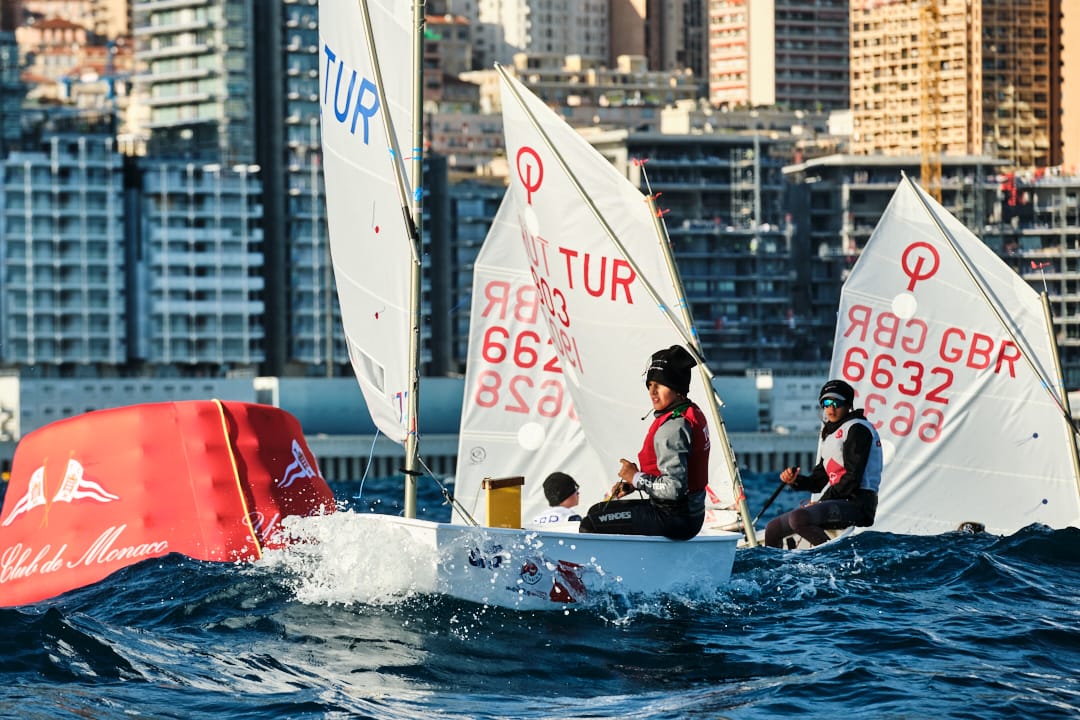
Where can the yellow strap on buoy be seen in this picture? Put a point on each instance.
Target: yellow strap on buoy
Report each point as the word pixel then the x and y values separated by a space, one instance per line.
pixel 236 477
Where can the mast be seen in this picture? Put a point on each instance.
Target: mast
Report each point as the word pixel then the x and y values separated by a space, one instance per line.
pixel 703 369
pixel 412 440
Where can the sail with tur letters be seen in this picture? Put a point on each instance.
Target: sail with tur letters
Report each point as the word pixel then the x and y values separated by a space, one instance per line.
pixel 366 120
pixel 98 492
pixel 517 418
pixel 953 360
pixel 608 295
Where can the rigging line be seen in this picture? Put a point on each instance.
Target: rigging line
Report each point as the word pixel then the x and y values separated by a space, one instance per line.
pixel 449 496
pixel 1028 351
pixel 367 467
pixel 1042 276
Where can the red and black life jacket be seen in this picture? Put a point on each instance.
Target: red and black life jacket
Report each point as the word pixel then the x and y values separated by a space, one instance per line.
pixel 698 472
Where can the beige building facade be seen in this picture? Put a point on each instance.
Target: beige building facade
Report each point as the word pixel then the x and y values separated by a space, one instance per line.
pixel 997 84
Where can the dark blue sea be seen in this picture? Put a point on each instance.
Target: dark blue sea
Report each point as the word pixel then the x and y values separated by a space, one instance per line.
pixel 876 626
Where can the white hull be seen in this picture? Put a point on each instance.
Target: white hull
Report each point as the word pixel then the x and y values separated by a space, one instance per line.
pixel 534 570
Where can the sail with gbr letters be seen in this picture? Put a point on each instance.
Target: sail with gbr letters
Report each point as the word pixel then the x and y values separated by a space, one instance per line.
pixel 952 358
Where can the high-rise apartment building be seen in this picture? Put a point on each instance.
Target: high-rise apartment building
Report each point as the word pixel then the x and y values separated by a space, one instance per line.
pixel 62 256
pixel 778 52
pixel 997 88
pixel 193 88
pixel 11 92
pixel 303 325
pixel 199 268
pixel 111 19
pixel 1070 89
pixel 539 27
pixel 670 35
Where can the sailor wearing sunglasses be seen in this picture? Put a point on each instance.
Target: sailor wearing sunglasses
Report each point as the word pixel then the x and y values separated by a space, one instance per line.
pixel 849 472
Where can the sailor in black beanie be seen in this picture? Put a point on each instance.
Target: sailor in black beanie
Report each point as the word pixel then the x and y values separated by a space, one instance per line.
pixel 672 470
pixel 671 367
pixel 561 492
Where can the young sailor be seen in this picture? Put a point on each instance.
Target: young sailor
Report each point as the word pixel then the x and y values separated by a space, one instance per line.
pixel 562 494
pixel 672 470
pixel 849 470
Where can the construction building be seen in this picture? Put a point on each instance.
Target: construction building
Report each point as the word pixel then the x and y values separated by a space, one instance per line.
pixel 979 76
pixel 1031 220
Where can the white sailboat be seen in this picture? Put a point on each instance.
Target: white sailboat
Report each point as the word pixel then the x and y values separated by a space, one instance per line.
pixel 374 240
pixel 952 355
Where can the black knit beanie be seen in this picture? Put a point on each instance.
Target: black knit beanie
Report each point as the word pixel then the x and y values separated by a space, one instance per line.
pixel 671 367
pixel 558 486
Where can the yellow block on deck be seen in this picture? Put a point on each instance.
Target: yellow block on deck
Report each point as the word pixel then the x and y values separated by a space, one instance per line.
pixel 503 501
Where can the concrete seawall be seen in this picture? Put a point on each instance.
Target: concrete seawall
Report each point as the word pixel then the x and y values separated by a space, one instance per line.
pixel 347 457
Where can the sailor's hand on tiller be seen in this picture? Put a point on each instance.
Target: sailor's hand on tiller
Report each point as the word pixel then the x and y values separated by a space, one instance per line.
pixel 788 475
pixel 620 490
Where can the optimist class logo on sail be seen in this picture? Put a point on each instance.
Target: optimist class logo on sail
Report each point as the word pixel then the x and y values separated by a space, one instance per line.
pixel 561 271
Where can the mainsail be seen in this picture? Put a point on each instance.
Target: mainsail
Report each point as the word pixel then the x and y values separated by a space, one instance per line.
pixel 571 204
pixel 951 356
pixel 366 121
pixel 517 417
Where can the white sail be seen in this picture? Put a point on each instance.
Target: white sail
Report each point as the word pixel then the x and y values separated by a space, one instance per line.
pixel 603 322
pixel 951 357
pixel 517 418
pixel 366 186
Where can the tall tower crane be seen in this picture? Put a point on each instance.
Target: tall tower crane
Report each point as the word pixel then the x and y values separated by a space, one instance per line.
pixel 930 97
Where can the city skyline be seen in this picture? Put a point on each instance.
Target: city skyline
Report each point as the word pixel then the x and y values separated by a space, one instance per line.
pixel 198 69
